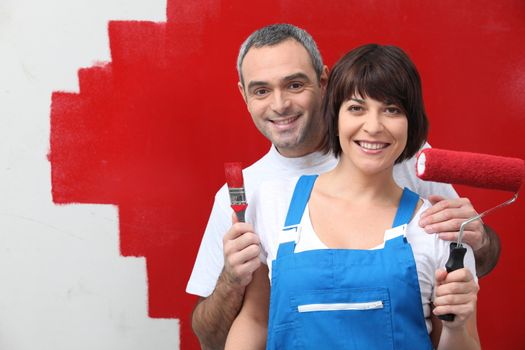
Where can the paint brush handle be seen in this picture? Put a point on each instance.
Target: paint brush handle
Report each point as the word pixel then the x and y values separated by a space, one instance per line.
pixel 454 262
pixel 240 215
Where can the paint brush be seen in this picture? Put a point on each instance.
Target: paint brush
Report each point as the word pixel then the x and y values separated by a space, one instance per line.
pixel 233 172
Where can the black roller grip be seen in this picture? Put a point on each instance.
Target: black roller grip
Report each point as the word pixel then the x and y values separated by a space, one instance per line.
pixel 454 262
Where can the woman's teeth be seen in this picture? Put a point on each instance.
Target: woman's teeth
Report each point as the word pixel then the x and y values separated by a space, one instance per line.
pixel 372 146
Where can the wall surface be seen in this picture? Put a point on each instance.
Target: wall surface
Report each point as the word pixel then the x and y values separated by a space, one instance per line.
pixel 116 117
pixel 63 283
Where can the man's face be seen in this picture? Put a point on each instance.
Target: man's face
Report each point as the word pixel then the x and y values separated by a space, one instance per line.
pixel 283 96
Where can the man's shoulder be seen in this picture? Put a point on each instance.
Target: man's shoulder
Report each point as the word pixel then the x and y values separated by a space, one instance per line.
pixel 260 164
pixel 261 170
pixel 279 184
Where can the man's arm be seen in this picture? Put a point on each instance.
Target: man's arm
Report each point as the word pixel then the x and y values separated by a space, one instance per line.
pixel 214 315
pixel 487 255
pixel 445 217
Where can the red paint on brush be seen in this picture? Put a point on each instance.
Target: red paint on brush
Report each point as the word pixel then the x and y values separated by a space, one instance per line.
pixel 234 179
pixel 471 169
pixel 233 173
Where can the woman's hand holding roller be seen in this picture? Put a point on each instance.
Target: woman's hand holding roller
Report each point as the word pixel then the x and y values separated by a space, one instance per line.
pixel 456 293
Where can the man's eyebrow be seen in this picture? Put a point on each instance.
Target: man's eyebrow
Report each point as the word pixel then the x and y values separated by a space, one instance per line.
pixel 256 83
pixel 295 76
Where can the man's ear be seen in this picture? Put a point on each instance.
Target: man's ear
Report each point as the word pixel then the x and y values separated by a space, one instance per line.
pixel 323 80
pixel 241 90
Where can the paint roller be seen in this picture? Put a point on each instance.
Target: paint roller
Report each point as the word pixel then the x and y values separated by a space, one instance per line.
pixel 471 169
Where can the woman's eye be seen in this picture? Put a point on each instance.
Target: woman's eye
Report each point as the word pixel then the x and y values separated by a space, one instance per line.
pixel 355 108
pixel 393 110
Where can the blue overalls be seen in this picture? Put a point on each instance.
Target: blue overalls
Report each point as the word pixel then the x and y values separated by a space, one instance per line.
pixel 345 298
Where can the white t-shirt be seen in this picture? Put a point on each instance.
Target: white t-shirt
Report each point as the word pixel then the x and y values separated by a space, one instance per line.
pixel 210 258
pixel 268 213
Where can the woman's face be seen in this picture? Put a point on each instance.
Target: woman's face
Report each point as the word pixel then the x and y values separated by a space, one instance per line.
pixel 372 134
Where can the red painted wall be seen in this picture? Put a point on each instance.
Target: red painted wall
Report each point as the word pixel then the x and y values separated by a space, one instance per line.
pixel 150 130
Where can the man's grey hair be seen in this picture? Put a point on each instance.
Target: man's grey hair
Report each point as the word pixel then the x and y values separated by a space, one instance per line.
pixel 275 34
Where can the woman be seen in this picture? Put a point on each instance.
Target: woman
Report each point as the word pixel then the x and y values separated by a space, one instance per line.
pixel 351 268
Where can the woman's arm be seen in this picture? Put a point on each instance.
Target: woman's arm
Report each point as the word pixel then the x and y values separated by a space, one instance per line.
pixel 249 329
pixel 456 293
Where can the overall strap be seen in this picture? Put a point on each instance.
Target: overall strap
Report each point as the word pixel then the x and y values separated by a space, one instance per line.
pixel 300 198
pixel 407 206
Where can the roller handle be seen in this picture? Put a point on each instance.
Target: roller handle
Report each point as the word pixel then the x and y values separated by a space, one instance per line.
pixel 454 262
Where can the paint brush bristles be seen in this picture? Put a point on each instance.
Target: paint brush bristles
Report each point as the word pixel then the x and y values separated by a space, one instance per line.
pixel 233 172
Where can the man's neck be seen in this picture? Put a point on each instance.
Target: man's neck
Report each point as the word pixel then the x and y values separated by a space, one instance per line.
pixel 297 152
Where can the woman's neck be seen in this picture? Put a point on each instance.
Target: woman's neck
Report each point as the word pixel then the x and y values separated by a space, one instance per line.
pixel 351 209
pixel 347 181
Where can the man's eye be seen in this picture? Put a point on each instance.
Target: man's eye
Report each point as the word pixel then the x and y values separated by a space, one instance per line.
pixel 296 86
pixel 260 92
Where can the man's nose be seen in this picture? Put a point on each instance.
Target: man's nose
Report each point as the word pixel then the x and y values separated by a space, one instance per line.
pixel 280 102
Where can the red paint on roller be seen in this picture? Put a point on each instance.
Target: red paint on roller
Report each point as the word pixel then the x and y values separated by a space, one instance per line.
pixel 472 169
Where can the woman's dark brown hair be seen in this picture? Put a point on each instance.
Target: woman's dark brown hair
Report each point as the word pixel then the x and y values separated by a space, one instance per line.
pixel 386 74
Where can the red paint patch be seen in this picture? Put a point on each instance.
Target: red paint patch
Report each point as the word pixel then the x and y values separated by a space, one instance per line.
pixel 150 131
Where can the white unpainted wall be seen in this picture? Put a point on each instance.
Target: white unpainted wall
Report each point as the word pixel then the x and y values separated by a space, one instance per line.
pixel 63 283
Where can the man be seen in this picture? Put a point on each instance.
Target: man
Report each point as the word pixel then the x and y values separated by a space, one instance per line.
pixel 282 80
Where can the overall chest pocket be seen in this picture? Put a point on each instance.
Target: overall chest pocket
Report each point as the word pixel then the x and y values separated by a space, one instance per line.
pixel 355 318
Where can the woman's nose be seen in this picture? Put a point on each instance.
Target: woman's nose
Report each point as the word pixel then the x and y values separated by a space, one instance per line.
pixel 373 123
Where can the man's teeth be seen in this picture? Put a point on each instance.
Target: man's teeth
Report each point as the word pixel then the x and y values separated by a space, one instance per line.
pixel 372 146
pixel 285 121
